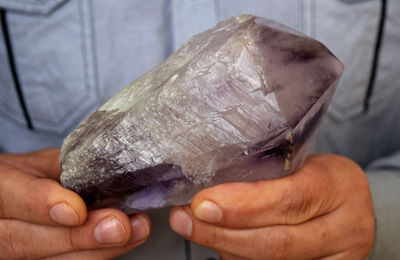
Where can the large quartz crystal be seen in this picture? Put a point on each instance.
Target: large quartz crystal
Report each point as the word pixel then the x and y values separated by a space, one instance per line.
pixel 239 102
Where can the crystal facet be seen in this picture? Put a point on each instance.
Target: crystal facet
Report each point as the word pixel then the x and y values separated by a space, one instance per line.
pixel 239 102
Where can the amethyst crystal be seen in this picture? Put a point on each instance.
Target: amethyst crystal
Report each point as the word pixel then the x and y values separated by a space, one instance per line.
pixel 239 102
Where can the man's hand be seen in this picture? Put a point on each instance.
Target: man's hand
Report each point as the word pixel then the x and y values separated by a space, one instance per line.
pixel 41 219
pixel 322 211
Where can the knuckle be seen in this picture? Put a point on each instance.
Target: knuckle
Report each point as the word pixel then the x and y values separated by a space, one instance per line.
pixel 363 237
pixel 4 198
pixel 2 204
pixel 11 243
pixel 360 237
pixel 295 206
pixel 69 239
pixel 56 257
pixel 363 233
pixel 214 239
pixel 281 246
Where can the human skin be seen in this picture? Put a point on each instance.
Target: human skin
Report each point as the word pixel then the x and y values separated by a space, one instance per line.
pixel 323 211
pixel 41 219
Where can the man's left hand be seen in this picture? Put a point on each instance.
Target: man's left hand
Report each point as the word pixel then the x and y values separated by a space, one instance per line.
pixel 324 210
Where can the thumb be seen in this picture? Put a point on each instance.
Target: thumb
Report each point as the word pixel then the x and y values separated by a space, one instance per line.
pixel 312 191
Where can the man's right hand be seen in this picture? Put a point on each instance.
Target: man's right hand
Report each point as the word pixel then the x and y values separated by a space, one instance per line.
pixel 41 219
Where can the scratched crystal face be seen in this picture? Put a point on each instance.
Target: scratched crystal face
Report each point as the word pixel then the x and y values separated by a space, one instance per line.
pixel 239 102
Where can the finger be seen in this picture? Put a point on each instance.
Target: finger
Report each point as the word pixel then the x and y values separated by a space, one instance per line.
pixel 39 200
pixel 290 200
pixel 227 256
pixel 97 254
pixel 304 241
pixel 103 228
pixel 42 163
pixel 139 235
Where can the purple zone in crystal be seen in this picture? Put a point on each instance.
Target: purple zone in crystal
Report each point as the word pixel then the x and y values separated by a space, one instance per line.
pixel 159 186
pixel 237 103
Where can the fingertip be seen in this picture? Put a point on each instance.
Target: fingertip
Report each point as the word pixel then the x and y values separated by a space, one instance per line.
pixel 209 212
pixel 80 208
pixel 208 204
pixel 181 222
pixel 62 213
pixel 67 208
pixel 111 227
pixel 205 194
pixel 216 197
pixel 141 228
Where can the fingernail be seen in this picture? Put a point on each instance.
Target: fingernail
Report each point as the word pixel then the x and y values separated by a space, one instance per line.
pixel 64 214
pixel 181 223
pixel 209 212
pixel 140 229
pixel 110 231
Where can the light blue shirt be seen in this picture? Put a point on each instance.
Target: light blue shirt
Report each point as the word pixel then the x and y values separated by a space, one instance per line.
pixel 72 55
